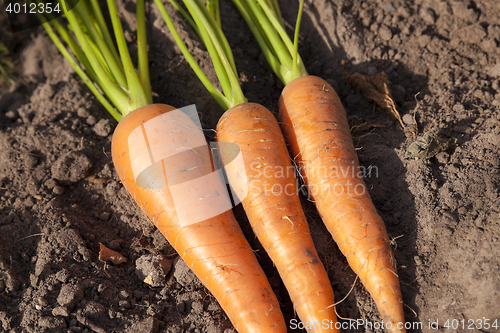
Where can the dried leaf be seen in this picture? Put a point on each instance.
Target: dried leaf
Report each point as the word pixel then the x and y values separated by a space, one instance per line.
pixel 106 254
pixel 375 88
pixel 429 145
pixel 365 127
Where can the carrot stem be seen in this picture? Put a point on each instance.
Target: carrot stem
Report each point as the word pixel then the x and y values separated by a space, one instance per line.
pixel 263 17
pixel 295 52
pixel 216 94
pixel 142 51
pixel 89 82
pixel 108 73
pixel 211 34
pixel 138 97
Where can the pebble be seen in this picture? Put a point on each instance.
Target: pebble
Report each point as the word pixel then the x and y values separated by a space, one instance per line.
pixel 104 216
pixel 58 190
pixel 102 128
pixel 91 120
pixel 428 15
pixel 69 295
pixel 124 304
pixel 152 269
pixel 82 112
pixel 418 261
pixel 385 33
pixel 403 11
pixel 389 7
pixel 409 119
pixel 12 115
pixel 114 245
pixel 60 311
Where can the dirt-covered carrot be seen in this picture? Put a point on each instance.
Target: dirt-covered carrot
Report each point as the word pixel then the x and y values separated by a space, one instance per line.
pixel 193 212
pixel 163 160
pixel 265 183
pixel 315 126
pixel 273 207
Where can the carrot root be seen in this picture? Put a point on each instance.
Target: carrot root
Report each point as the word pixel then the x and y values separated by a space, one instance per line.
pixel 315 126
pixel 267 179
pixel 209 246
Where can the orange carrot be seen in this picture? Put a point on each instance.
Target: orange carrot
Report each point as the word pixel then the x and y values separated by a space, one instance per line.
pixel 164 162
pixel 315 126
pixel 265 183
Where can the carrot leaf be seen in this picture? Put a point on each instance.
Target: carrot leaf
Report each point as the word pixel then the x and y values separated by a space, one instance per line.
pixel 264 19
pixel 108 73
pixel 206 18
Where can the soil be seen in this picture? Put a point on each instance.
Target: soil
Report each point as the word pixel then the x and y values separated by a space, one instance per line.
pixel 60 196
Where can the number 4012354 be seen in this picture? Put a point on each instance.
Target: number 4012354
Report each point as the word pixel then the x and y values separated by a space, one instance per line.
pixel 32 8
pixel 470 324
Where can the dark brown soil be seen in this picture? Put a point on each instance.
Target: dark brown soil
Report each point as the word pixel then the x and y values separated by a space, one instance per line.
pixel 60 196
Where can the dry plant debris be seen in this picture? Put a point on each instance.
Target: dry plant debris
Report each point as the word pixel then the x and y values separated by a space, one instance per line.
pixel 106 254
pixel 429 145
pixel 376 89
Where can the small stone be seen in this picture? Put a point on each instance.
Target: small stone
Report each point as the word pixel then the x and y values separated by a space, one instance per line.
pixel 409 119
pixel 82 112
pixel 389 7
pixel 124 304
pixel 58 190
pixel 105 216
pixel 60 311
pixel 428 15
pixel 385 33
pixel 12 114
pixel 102 128
pixel 69 295
pixel 152 269
pixel 418 261
pixel 114 245
pixel 123 294
pixel 91 120
pixel 403 11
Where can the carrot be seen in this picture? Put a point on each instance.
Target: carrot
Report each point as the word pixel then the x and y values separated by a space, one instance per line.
pixel 214 248
pixel 163 160
pixel 315 126
pixel 268 190
pixel 264 180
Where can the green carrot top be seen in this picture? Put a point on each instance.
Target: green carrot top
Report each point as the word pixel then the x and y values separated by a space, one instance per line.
pixel 205 20
pixel 264 19
pixel 109 74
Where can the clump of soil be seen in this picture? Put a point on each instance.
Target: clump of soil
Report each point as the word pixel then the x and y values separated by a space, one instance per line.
pixel 60 196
